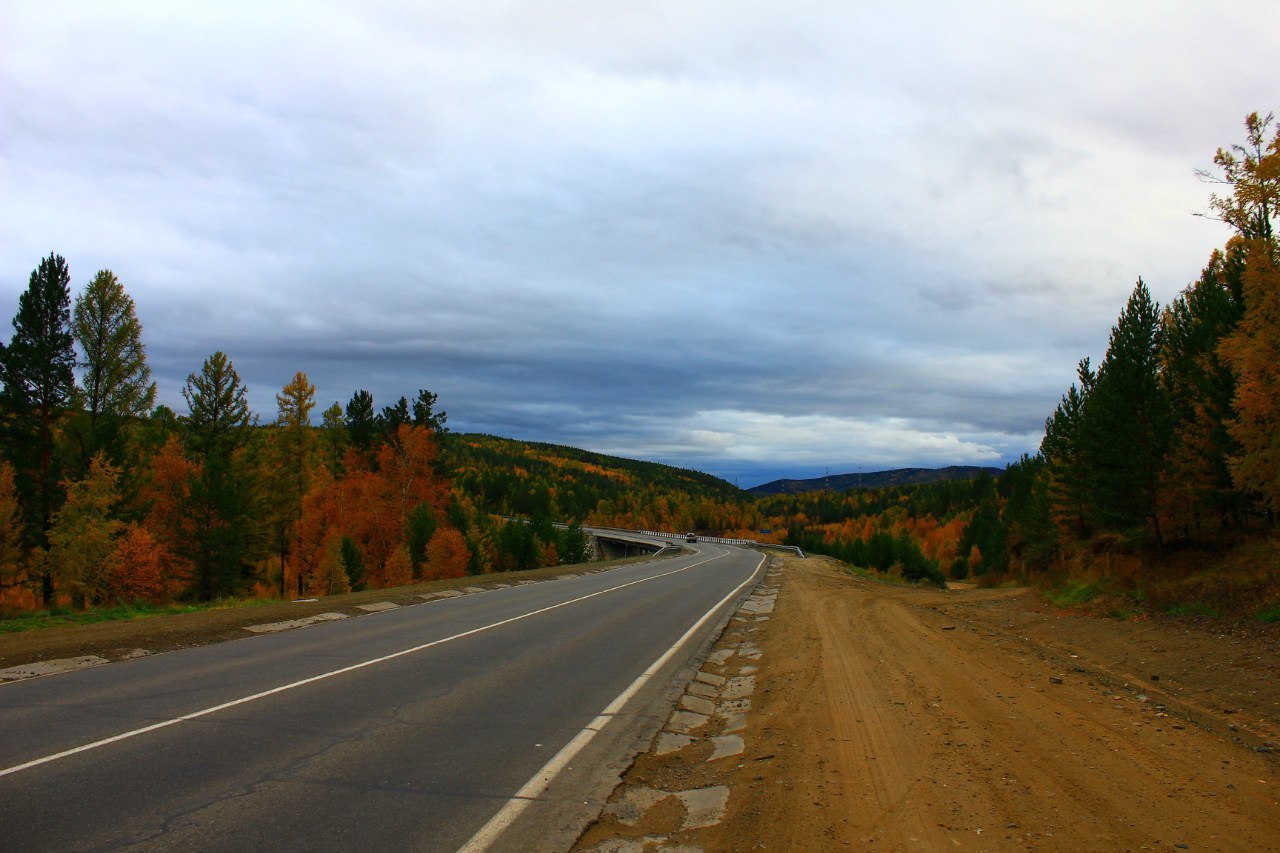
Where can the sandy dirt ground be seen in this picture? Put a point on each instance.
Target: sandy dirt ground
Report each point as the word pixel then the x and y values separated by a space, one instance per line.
pixel 893 718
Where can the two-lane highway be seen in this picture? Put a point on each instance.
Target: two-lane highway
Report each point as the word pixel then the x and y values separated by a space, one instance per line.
pixel 494 721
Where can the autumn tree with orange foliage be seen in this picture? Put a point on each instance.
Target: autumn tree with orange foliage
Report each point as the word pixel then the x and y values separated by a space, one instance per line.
pixel 164 493
pixel 137 568
pixel 447 555
pixel 372 508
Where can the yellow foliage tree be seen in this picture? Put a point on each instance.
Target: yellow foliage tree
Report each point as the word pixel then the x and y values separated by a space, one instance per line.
pixel 11 551
pixel 399 568
pixel 84 532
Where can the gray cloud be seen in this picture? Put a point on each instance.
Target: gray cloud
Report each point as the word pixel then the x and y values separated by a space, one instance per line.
pixel 732 236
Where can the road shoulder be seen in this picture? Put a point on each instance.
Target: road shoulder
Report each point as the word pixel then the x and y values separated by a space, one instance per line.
pixel 901 718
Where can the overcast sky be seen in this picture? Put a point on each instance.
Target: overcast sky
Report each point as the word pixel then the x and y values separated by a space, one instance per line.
pixel 759 239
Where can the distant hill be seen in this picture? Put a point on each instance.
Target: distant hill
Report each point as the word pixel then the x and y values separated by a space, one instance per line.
pixel 871 480
pixel 512 477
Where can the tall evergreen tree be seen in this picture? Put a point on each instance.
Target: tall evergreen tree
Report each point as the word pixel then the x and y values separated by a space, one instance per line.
pixel 362 422
pixel 1068 477
pixel 221 506
pixel 424 413
pixel 218 408
pixel 293 460
pixel 394 417
pixel 1200 387
pixel 118 390
pixel 39 385
pixel 296 401
pixel 1124 431
pixel 333 437
pixel 1031 535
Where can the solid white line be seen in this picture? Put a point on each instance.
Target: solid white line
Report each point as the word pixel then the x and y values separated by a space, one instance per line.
pixel 541 780
pixel 282 688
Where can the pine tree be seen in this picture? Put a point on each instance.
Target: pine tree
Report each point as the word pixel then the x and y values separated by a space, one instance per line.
pixel 219 408
pixel 39 385
pixel 422 526
pixel 424 413
pixel 296 402
pixel 1124 431
pixel 1196 482
pixel 291 462
pixel 118 390
pixel 1068 476
pixel 223 544
pixel 362 423
pixel 394 417
pixel 333 437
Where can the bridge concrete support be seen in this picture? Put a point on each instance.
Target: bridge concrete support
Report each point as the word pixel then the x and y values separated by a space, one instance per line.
pixel 609 548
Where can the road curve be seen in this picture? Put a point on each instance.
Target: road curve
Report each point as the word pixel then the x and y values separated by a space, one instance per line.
pixel 411 729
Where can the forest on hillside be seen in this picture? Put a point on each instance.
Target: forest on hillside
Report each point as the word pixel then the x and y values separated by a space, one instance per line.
pixel 1170 445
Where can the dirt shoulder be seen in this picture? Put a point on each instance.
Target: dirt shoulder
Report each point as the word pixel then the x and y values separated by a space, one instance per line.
pixel 151 634
pixel 892 718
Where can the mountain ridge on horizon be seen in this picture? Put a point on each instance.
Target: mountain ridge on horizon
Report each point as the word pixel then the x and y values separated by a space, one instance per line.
pixel 870 480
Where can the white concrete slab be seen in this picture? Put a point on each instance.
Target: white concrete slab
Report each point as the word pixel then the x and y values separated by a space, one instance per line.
pixel 377 606
pixel 290 624
pixel 704 806
pixel 49 667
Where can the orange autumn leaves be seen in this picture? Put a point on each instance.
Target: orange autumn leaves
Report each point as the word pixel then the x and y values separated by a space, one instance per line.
pixel 370 504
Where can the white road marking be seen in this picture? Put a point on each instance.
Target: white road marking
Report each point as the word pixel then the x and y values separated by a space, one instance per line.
pixel 541 780
pixel 36 762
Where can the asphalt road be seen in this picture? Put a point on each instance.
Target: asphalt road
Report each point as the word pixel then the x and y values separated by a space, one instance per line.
pixel 410 730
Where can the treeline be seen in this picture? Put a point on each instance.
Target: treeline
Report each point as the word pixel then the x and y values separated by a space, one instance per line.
pixel 1172 441
pixel 1174 438
pixel 922 531
pixel 106 497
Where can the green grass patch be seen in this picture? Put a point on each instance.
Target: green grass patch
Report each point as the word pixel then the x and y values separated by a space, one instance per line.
pixel 1190 608
pixel 1075 592
pixel 891 577
pixel 1269 614
pixel 59 616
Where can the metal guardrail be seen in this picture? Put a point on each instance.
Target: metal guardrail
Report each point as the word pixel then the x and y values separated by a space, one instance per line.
pixel 746 543
pixel 679 537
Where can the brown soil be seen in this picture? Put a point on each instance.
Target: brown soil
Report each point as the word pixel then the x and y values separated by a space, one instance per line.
pixel 122 639
pixel 894 718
